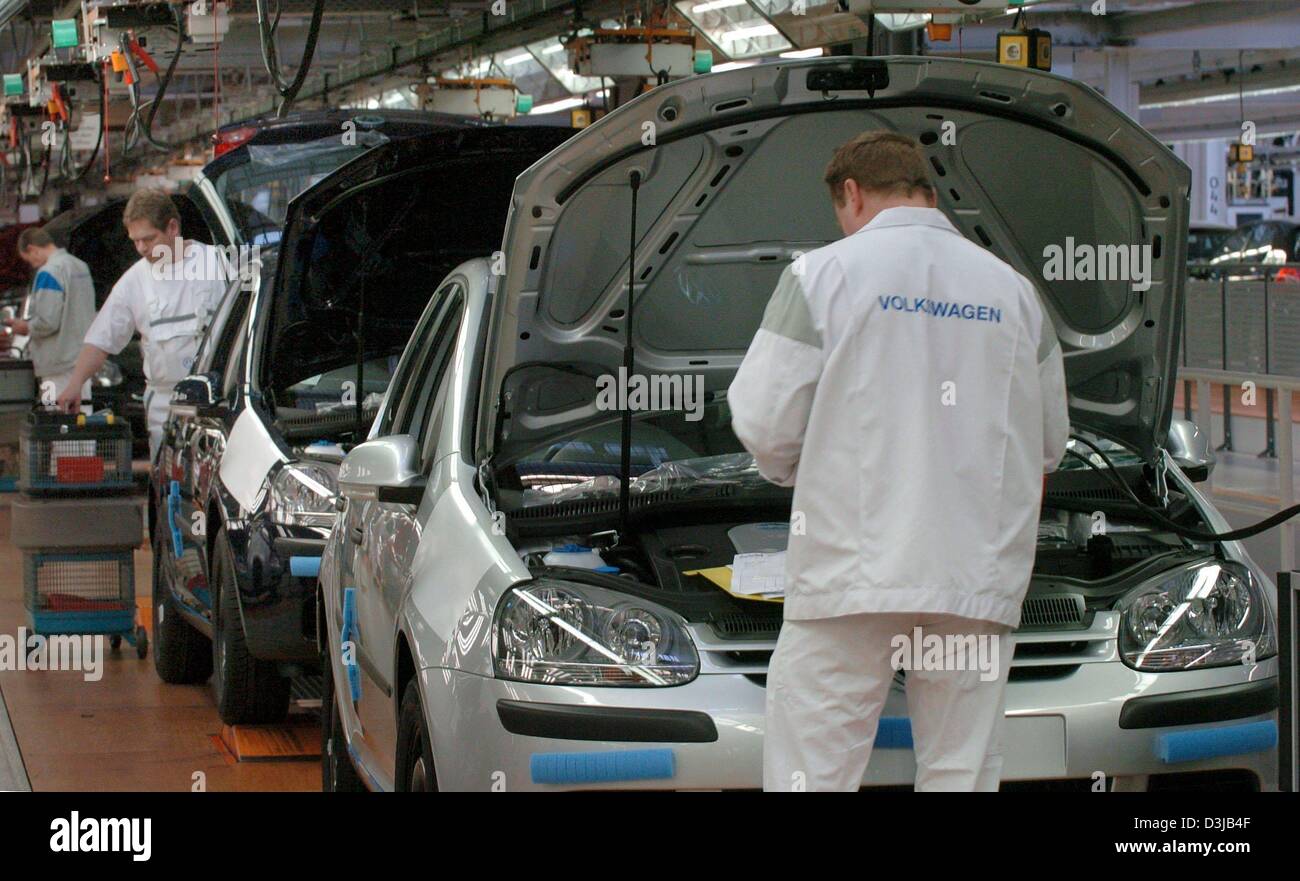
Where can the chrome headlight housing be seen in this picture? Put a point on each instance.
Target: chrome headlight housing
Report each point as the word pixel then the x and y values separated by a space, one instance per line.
pixel 302 494
pixel 1209 615
pixel 561 633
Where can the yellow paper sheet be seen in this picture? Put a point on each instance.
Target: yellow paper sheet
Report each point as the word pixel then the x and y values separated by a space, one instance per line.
pixel 721 576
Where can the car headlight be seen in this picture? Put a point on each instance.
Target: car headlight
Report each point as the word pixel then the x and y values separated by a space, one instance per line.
pixel 1211 615
pixel 562 633
pixel 302 494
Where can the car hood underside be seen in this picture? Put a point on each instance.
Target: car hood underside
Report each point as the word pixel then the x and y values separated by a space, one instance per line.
pixel 731 168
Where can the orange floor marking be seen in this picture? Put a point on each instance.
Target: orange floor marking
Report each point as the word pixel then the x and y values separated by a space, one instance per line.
pixel 294 739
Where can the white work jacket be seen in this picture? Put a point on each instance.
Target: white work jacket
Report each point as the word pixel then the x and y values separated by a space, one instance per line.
pixel 169 306
pixel 909 386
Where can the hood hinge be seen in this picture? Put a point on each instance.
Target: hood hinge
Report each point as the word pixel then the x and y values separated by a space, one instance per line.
pixel 1161 469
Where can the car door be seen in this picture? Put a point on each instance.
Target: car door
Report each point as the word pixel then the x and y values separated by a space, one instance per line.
pixel 194 443
pixel 381 535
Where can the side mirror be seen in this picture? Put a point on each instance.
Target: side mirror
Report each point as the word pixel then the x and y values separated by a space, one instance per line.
pixel 1190 449
pixel 383 470
pixel 196 396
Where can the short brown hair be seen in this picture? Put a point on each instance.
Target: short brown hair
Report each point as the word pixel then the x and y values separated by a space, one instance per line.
pixel 881 162
pixel 33 237
pixel 154 206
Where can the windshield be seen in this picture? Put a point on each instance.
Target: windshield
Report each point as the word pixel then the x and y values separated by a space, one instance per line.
pixel 336 390
pixel 670 451
pixel 257 191
pixel 558 445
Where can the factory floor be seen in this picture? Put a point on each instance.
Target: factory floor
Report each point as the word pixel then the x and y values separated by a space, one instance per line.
pixel 129 731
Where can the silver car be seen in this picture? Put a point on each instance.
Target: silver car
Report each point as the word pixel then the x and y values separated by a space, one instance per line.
pixel 509 601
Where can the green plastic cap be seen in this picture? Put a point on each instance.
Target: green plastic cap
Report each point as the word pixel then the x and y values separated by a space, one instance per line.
pixel 13 84
pixel 703 60
pixel 523 104
pixel 65 33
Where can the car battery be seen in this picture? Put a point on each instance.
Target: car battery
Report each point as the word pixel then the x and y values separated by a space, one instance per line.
pixel 61 454
pixel 17 383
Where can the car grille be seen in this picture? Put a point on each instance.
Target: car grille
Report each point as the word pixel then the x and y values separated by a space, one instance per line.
pixel 1052 611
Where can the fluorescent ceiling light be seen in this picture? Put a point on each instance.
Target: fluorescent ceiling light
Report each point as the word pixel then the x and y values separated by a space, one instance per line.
pixel 516 59
pixel 732 65
pixel 551 50
pixel 554 106
pixel 716 4
pixel 1222 96
pixel 904 21
pixel 803 53
pixel 761 30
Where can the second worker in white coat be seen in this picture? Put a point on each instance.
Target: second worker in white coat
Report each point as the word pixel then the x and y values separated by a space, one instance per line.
pixel 908 385
pixel 168 296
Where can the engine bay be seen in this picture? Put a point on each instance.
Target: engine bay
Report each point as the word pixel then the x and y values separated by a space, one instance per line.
pixel 1091 553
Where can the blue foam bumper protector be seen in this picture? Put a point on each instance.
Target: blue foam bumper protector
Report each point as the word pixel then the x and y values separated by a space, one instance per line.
pixel 1211 743
pixel 349 625
pixel 173 508
pixel 603 767
pixel 894 732
pixel 304 567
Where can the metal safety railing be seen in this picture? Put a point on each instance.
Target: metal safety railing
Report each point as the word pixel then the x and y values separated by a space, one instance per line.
pixel 1279 387
pixel 1241 329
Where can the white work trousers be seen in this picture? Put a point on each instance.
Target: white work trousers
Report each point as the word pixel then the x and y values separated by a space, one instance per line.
pixel 827 683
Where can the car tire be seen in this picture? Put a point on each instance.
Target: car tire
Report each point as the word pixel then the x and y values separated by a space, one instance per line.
pixel 249 691
pixel 415 768
pixel 181 655
pixel 336 769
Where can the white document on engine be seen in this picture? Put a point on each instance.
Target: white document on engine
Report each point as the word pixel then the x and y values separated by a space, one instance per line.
pixel 758 574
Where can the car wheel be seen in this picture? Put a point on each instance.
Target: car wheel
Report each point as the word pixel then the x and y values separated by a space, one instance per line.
pixel 249 691
pixel 336 770
pixel 181 655
pixel 415 770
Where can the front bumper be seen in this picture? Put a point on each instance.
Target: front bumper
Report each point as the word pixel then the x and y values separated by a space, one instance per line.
pixel 530 736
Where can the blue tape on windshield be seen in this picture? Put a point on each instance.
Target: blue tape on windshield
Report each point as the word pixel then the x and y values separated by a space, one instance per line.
pixel 304 567
pixel 173 508
pixel 1211 743
pixel 350 658
pixel 603 767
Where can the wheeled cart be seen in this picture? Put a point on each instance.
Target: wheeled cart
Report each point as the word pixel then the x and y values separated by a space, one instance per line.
pixel 77 532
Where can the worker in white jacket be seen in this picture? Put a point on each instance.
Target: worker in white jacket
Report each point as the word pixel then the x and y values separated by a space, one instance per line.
pixel 169 296
pixel 909 386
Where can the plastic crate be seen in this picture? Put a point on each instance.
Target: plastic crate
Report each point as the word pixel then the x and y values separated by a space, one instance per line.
pixel 70 591
pixel 61 454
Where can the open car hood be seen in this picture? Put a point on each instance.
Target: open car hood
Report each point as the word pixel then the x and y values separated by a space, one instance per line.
pixel 731 167
pixel 368 245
